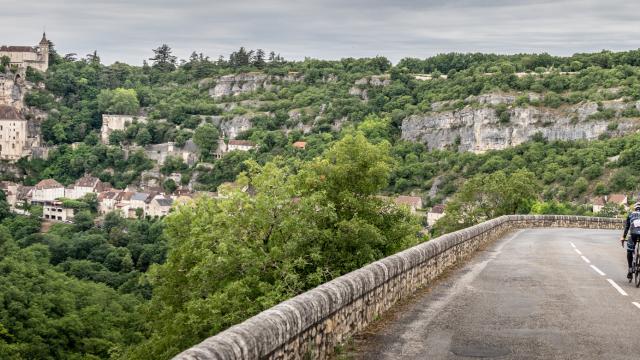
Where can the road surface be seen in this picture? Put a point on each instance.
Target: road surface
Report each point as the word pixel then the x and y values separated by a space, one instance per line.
pixel 535 294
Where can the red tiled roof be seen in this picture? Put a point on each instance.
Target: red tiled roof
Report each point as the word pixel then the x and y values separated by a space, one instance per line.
pixel 617 198
pixel 299 144
pixel 437 209
pixel 87 181
pixel 48 184
pixel 598 201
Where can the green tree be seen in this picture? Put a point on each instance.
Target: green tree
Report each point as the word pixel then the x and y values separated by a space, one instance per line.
pixel 206 137
pixel 247 252
pixel 169 186
pixel 83 220
pixel 484 197
pixel 118 101
pixel 163 58
pixel 143 137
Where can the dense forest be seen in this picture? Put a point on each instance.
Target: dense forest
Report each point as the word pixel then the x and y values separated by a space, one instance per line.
pixel 148 288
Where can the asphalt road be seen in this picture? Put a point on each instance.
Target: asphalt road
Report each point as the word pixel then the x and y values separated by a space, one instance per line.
pixel 531 295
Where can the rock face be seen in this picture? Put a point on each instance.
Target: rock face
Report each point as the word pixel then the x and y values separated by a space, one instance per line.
pixel 359 88
pixel 11 92
pixel 248 82
pixel 231 128
pixel 479 129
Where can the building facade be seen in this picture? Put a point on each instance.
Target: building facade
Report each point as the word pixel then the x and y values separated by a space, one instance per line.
pixel 47 190
pixel 22 57
pixel 117 122
pixel 13 134
pixel 54 210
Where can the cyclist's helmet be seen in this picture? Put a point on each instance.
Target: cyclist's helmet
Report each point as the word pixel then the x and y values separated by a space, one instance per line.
pixel 636 206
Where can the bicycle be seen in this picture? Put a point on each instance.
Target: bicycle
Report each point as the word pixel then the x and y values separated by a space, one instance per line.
pixel 635 266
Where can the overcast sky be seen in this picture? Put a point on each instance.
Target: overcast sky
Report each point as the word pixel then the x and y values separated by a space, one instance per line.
pixel 127 30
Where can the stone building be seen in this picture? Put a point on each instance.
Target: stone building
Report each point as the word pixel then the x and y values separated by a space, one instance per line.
pixel 36 57
pixel 55 210
pixel 436 212
pixel 241 145
pixel 13 134
pixel 47 190
pixel 160 152
pixel 117 122
pixel 84 185
pixel 159 206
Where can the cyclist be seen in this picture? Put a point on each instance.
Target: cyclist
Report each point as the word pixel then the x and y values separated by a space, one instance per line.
pixel 632 225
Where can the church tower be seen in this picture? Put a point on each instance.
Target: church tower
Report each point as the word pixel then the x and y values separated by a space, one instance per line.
pixel 44 52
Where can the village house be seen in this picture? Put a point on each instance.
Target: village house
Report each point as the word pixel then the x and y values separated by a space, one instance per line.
pixel 138 201
pixel 433 215
pixel 13 134
pixel 55 210
pixel 618 199
pixel 159 206
pixel 85 185
pixel 240 145
pixel 221 149
pixel 107 200
pixel 36 57
pixel 10 190
pixel 47 190
pixel 414 203
pixel 23 198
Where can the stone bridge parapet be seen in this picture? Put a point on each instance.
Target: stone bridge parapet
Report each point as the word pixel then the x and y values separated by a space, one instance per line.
pixel 312 324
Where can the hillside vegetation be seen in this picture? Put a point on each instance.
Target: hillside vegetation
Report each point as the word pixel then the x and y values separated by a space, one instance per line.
pixel 148 288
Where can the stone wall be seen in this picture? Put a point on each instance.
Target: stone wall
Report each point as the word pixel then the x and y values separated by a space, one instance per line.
pixel 117 122
pixel 311 324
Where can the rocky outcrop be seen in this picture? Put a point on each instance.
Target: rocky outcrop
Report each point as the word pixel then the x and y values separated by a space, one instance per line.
pixel 232 127
pixel 360 85
pixel 247 82
pixel 480 129
pixel 11 91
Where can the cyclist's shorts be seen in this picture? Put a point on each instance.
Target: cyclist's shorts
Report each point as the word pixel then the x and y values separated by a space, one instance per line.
pixel 631 243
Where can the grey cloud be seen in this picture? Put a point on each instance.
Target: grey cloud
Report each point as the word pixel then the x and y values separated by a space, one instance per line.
pixel 127 30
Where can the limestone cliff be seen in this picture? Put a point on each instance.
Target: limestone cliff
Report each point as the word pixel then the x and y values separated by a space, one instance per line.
pixel 478 128
pixel 360 86
pixel 232 127
pixel 11 91
pixel 248 82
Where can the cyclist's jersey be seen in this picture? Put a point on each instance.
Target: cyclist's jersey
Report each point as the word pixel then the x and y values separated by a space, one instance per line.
pixel 632 223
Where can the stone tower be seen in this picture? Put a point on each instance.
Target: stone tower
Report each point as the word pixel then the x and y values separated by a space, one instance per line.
pixel 44 51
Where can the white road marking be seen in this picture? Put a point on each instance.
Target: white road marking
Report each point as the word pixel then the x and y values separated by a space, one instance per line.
pixel 636 304
pixel 578 251
pixel 597 270
pixel 572 244
pixel 615 286
pixel 585 260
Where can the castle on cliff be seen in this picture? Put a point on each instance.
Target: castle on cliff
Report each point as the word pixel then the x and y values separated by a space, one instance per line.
pixel 36 57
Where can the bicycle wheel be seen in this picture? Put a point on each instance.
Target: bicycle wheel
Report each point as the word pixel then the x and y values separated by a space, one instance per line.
pixel 637 274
